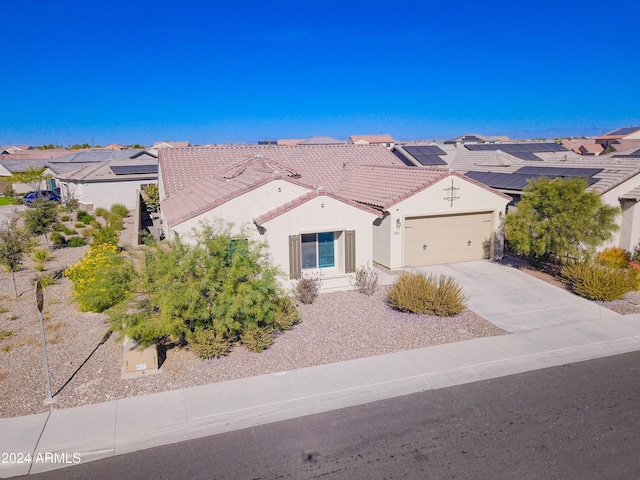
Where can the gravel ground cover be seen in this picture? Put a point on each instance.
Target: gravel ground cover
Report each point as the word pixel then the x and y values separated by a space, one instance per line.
pixel 85 368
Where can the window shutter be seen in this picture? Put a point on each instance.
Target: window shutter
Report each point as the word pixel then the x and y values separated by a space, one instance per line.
pixel 350 251
pixel 295 268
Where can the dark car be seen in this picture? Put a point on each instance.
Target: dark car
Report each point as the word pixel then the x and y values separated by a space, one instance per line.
pixel 28 198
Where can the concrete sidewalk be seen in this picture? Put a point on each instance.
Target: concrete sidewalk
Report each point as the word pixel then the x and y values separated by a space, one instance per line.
pixel 64 437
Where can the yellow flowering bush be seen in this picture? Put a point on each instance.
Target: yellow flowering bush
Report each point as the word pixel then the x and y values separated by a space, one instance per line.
pixel 101 279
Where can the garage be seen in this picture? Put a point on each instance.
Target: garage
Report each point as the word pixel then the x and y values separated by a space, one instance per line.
pixel 431 240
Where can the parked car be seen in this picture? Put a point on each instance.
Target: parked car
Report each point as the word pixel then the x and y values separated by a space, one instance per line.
pixel 29 197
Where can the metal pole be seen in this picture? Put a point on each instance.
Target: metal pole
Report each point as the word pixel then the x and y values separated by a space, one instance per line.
pixel 40 303
pixel 50 398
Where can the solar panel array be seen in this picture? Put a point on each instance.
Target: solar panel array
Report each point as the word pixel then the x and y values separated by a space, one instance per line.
pixel 635 154
pixel 560 171
pixel 524 151
pixel 403 159
pixel 426 155
pixel 519 179
pixel 624 131
pixel 133 169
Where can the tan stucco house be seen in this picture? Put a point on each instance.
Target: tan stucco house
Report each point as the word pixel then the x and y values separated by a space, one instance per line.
pixel 330 208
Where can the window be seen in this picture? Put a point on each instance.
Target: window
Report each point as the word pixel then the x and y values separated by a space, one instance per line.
pixel 317 250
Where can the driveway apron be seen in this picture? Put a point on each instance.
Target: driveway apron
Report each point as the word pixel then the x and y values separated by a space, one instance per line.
pixel 514 300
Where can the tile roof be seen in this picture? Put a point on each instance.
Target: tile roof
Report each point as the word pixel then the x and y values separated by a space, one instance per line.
pixel 289 142
pixel 321 140
pixel 317 165
pixel 372 138
pixel 34 155
pixel 96 172
pixel 302 199
pixel 383 187
pixel 211 191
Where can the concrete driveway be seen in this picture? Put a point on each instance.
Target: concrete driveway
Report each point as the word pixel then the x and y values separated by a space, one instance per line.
pixel 514 300
pixel 8 211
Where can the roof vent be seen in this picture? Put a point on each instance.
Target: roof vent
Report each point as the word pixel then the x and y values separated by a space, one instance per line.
pixel 259 156
pixel 320 188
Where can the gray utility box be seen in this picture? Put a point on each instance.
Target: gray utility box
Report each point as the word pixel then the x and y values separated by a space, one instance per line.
pixel 137 362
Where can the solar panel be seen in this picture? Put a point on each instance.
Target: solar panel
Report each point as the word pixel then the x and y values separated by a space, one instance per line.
pixel 403 159
pixel 426 155
pixel 133 169
pixel 512 181
pixel 560 171
pixel 624 131
pixel 523 148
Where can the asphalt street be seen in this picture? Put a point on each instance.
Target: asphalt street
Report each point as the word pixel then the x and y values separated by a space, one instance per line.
pixel 577 421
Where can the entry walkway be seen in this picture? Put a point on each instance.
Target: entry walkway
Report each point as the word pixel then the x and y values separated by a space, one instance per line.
pixel 102 430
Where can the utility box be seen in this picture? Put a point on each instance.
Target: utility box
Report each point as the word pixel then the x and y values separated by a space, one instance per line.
pixel 138 362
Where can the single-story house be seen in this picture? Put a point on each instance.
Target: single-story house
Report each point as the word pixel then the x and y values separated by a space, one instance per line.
pixel 382 139
pixel 331 208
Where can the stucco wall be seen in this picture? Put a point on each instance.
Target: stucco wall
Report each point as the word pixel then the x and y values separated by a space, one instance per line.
pixel 104 194
pixel 472 198
pixel 321 214
pixel 243 209
pixel 629 234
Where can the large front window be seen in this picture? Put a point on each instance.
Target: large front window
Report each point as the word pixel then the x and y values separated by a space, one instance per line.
pixel 318 250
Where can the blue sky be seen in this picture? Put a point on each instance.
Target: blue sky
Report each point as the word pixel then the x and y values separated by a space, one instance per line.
pixel 140 71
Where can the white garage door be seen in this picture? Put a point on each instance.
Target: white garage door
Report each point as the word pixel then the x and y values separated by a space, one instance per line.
pixel 446 239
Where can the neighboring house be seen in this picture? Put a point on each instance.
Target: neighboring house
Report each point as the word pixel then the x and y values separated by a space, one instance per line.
pixel 330 208
pixel 508 167
pixel 386 140
pixel 626 133
pixel 321 140
pixel 9 167
pixel 114 146
pixel 477 138
pixel 102 184
pixel 289 142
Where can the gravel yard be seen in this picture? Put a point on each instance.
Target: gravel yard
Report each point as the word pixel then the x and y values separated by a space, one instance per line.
pixel 338 326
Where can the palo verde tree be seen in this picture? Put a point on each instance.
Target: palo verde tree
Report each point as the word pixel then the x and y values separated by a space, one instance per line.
pixel 558 219
pixel 209 295
pixel 14 242
pixel 32 176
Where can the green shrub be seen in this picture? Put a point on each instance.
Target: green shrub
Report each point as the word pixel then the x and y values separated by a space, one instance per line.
pixel 206 343
pixel 76 242
pixel 614 257
pixel 600 282
pixel 84 217
pixel 39 266
pixel 119 210
pixel 417 293
pixel 307 288
pixel 366 280
pixel 102 212
pixel 58 227
pixel 79 225
pixel 101 279
pixel 106 234
pixel 287 315
pixel 65 218
pixel 116 223
pixel 257 339
pixel 41 255
pixel 58 239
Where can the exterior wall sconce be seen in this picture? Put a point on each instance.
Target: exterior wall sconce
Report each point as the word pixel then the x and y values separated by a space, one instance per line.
pixel 398 224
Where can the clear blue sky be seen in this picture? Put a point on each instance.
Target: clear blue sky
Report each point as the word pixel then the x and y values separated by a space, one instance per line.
pixel 233 71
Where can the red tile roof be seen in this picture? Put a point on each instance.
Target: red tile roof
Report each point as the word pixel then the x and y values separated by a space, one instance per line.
pixel 318 165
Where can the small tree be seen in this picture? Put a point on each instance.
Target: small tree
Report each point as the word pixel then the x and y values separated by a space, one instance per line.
pixel 32 176
pixel 39 219
pixel 14 242
pixel 558 219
